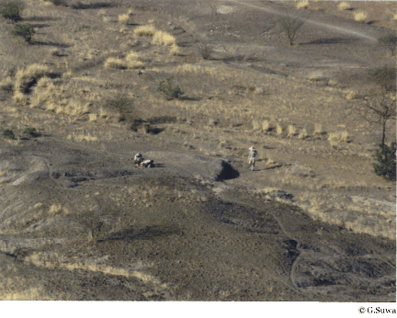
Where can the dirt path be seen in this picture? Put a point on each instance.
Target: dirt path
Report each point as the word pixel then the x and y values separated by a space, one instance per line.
pixel 311 21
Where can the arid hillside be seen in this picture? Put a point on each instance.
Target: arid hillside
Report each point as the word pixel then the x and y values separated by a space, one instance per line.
pixel 85 85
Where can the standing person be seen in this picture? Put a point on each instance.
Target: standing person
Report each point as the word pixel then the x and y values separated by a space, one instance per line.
pixel 252 156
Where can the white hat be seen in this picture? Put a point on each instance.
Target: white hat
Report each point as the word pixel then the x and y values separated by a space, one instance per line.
pixel 252 148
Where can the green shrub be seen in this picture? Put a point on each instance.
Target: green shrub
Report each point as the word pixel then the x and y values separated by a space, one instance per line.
pixel 24 30
pixel 123 105
pixel 31 132
pixel 8 133
pixel 12 10
pixel 169 91
pixel 385 161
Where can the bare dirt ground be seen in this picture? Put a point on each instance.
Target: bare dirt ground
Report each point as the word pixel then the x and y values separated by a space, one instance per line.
pixel 78 221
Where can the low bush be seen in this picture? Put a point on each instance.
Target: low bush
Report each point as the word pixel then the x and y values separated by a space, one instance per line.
pixel 385 161
pixel 12 10
pixel 8 133
pixel 31 132
pixel 123 105
pixel 24 30
pixel 169 91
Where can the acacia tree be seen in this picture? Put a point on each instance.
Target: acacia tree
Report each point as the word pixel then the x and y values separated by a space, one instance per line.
pixel 379 108
pixel 290 26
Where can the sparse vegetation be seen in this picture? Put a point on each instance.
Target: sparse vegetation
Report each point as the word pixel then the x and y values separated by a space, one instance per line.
pixel 114 62
pixel 361 16
pixel 59 2
pixel 344 6
pixel 145 30
pixel 31 132
pixel 302 4
pixel 12 10
pixel 123 105
pixel 385 161
pixel 168 89
pixel 26 31
pixel 8 134
pixel 384 77
pixel 389 41
pixel 290 26
pixel 124 18
pixel 338 137
pixel 163 38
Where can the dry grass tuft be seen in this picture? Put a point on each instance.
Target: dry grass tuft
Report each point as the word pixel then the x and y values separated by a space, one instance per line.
pixel 123 18
pixel 303 134
pixel 24 77
pixel 395 17
pixel 279 129
pixel 266 126
pixel 302 5
pixel 256 125
pixel 145 30
pixel 338 137
pixel 318 129
pixel 361 16
pixel 20 98
pixel 93 117
pixel 134 60
pixel 82 137
pixel 291 131
pixel 114 62
pixel 351 94
pixel 344 6
pixel 163 38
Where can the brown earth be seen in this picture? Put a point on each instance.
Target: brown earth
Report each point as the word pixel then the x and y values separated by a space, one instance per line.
pixel 79 221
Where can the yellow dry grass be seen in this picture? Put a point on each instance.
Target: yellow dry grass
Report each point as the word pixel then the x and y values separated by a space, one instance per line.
pixel 303 133
pixel 145 30
pixel 302 4
pixel 93 117
pixel 123 18
pixel 133 60
pixel 22 75
pixel 57 209
pixel 318 129
pixel 163 38
pixel 266 126
pixel 291 130
pixel 76 137
pixel 114 62
pixel 351 94
pixel 361 16
pixel 256 125
pixel 344 6
pixel 338 137
pixel 279 129
pixel 67 99
pixel 360 215
pixel 39 259
pixel 20 98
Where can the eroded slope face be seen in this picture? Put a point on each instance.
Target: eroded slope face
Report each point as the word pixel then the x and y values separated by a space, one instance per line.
pixel 79 224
